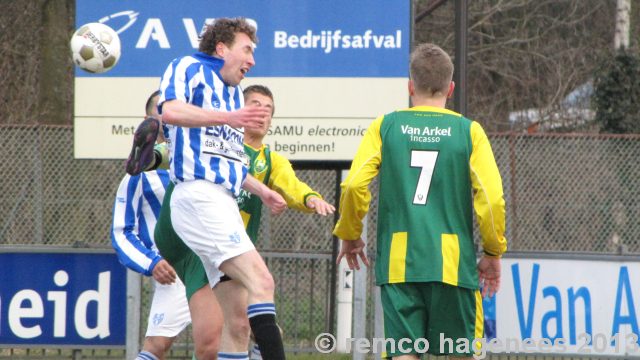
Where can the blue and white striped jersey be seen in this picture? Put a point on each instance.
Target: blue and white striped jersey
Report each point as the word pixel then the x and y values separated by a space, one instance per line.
pixel 213 153
pixel 135 213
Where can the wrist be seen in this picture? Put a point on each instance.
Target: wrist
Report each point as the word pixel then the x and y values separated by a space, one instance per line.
pixel 154 262
pixel 310 199
pixel 490 255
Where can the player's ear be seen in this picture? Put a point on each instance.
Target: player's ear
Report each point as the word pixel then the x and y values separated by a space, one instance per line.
pixel 220 49
pixel 412 89
pixel 452 86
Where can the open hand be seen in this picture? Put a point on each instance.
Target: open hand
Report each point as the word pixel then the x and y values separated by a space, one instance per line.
pixel 320 206
pixel 351 250
pixel 253 117
pixel 489 275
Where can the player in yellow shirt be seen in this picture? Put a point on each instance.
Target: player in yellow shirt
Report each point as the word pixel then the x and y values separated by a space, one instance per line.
pixel 434 167
pixel 275 171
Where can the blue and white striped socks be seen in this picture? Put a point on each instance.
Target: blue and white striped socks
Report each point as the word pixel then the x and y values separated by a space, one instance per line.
pixel 233 355
pixel 260 309
pixel 145 355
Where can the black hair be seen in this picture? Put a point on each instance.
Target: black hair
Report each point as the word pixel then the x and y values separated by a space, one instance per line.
pixel 148 108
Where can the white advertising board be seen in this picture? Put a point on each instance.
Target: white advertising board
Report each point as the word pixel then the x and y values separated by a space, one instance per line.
pixel 585 307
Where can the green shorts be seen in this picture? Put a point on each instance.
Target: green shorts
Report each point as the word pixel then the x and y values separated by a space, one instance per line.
pixel 186 263
pixel 448 317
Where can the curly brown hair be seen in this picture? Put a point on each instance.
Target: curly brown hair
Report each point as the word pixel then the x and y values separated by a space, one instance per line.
pixel 224 30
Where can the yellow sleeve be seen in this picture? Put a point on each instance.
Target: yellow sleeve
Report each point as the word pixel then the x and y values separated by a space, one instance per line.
pixel 284 181
pixel 488 200
pixel 355 198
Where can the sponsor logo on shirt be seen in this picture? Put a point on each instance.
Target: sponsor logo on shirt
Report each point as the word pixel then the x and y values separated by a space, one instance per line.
pixel 426 134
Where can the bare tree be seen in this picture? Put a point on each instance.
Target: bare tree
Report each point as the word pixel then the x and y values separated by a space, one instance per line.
pixel 36 85
pixel 524 54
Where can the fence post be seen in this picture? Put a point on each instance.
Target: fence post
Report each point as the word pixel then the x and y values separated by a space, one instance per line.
pixel 334 255
pixel 134 287
pixel 514 196
pixel 38 186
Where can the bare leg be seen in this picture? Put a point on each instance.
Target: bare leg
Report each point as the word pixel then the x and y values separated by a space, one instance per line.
pixel 157 345
pixel 250 270
pixel 206 320
pixel 232 296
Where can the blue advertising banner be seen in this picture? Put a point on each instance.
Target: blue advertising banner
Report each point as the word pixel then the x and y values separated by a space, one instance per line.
pixel 297 38
pixel 62 299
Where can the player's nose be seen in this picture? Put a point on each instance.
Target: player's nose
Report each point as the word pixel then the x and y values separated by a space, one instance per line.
pixel 250 60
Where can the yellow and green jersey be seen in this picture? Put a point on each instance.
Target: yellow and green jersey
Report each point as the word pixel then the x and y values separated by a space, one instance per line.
pixel 434 166
pixel 275 171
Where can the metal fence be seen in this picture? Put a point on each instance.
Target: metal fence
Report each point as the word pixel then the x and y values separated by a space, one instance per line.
pixel 564 193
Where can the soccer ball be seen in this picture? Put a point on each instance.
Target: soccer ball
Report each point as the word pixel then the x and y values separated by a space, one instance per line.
pixel 95 47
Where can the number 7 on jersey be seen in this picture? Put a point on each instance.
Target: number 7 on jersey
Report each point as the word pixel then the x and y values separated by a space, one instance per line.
pixel 426 161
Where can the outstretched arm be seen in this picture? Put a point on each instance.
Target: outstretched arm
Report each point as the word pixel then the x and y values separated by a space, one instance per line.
pixel 177 94
pixel 297 193
pixel 180 113
pixel 355 198
pixel 270 198
pixel 320 206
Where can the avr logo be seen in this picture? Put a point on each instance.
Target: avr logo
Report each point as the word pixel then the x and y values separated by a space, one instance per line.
pixel 129 16
pixel 154 30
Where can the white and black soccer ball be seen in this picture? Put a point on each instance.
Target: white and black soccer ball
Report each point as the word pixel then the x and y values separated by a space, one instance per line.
pixel 95 47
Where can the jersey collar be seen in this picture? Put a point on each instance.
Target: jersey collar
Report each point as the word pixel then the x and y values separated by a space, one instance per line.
pixel 432 109
pixel 214 62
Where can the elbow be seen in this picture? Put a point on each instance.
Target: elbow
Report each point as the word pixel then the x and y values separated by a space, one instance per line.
pixel 169 115
pixel 350 187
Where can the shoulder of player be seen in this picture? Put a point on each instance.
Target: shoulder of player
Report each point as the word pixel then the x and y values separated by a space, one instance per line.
pixel 277 158
pixel 189 64
pixel 157 175
pixel 131 179
pixel 476 129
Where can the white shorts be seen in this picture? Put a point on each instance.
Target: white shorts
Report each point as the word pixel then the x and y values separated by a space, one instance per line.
pixel 208 220
pixel 169 313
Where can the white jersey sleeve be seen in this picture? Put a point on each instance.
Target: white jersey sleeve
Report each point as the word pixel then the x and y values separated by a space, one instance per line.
pixel 135 212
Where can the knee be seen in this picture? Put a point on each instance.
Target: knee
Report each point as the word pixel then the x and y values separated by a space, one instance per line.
pixel 264 285
pixel 207 351
pixel 238 328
